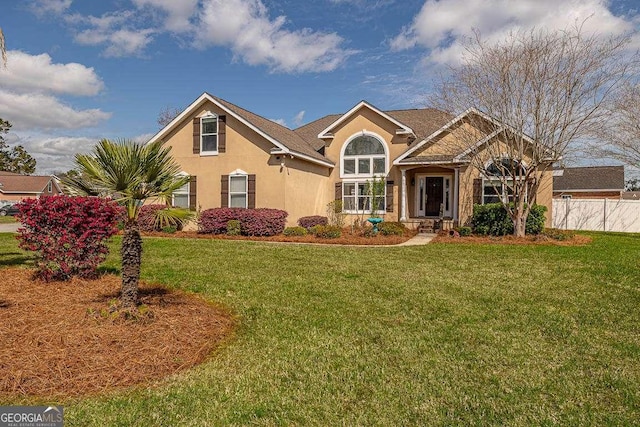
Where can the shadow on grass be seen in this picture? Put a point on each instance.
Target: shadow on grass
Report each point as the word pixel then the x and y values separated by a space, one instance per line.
pixel 108 270
pixel 15 258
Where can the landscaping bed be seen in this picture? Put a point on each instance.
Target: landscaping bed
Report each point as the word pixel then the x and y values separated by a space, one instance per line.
pixel 347 238
pixel 59 339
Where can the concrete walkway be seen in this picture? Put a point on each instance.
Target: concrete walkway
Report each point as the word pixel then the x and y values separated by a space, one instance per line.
pixel 418 239
pixel 9 228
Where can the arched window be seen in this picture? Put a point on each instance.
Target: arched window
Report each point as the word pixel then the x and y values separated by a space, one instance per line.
pixel 499 184
pixel 364 156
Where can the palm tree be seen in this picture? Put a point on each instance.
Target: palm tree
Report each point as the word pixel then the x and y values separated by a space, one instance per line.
pixel 130 173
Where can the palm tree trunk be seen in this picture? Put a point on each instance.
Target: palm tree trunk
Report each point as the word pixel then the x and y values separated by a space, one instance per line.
pixel 131 253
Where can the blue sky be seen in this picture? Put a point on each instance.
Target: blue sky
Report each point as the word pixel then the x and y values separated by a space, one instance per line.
pixel 83 70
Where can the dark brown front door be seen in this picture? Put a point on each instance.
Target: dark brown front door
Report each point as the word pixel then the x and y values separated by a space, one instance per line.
pixel 433 192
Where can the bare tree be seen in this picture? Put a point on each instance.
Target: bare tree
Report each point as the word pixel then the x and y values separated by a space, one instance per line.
pixel 3 49
pixel 166 115
pixel 620 139
pixel 531 96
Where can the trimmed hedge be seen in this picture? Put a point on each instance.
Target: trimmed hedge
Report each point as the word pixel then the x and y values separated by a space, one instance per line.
pixel 492 219
pixel 295 231
pixel 253 222
pixel 391 228
pixel 326 231
pixel 309 221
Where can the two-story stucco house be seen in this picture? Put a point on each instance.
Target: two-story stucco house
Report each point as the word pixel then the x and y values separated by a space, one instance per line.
pixel 236 158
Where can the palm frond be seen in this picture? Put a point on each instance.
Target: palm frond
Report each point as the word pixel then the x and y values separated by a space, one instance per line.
pixel 130 172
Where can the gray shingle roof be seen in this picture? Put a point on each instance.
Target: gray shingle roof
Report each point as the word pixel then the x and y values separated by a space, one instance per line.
pixel 280 133
pixel 589 178
pixel 423 122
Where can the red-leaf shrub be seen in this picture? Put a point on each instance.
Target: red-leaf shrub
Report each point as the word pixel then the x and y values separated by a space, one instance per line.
pixel 147 218
pixel 253 222
pixel 69 234
pixel 309 221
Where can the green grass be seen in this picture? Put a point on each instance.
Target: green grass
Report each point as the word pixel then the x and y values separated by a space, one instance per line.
pixel 432 335
pixel 7 219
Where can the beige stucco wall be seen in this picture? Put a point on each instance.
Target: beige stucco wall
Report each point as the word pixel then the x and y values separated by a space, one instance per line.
pixel 369 122
pixel 297 187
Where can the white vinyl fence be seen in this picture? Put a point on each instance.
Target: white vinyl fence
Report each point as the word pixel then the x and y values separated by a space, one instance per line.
pixel 597 214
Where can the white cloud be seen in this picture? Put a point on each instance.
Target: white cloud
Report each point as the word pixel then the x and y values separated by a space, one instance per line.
pixel 299 118
pixel 441 26
pixel 117 31
pixel 27 111
pixel 44 7
pixel 26 72
pixel 177 14
pixel 245 26
pixel 281 122
pixel 53 154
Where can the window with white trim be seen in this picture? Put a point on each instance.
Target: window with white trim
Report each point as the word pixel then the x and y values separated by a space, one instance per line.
pixel 356 197
pixel 499 186
pixel 238 191
pixel 209 135
pixel 50 187
pixel 180 197
pixel 364 156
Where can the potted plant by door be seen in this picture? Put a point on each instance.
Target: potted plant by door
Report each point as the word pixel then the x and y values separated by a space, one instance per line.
pixel 375 189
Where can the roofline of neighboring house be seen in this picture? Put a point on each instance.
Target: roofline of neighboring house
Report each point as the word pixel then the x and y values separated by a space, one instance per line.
pixel 207 97
pixel 587 190
pixel 52 178
pixel 20 192
pixel 404 129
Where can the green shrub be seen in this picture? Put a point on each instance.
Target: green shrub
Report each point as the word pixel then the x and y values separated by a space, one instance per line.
pixel 492 219
pixel 464 231
pixel 557 234
pixel 295 231
pixel 326 231
pixel 169 229
pixel 233 227
pixel 391 228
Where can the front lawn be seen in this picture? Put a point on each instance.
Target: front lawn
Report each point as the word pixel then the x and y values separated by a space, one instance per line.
pixel 443 334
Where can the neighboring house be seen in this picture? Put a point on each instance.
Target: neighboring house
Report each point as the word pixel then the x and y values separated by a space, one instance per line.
pixel 15 187
pixel 591 182
pixel 236 158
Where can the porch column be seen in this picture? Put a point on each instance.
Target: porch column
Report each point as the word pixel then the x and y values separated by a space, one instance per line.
pixel 456 185
pixel 403 196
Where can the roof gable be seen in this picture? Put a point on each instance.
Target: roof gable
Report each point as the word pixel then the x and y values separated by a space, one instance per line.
pixel 447 127
pixel 284 139
pixel 28 184
pixel 403 129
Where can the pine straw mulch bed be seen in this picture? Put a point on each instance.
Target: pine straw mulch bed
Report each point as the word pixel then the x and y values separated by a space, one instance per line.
pixel 577 240
pixel 347 238
pixel 53 346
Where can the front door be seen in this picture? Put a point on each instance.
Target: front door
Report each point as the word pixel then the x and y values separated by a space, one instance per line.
pixel 433 195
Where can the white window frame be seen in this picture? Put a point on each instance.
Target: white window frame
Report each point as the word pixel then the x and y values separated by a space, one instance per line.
pixel 501 184
pixel 181 191
pixel 245 192
pixel 369 157
pixel 208 118
pixel 50 187
pixel 357 197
